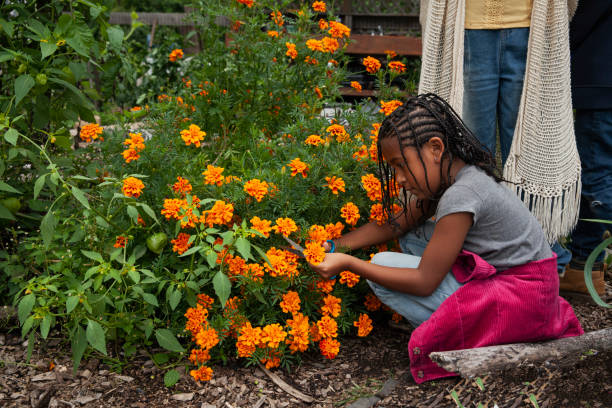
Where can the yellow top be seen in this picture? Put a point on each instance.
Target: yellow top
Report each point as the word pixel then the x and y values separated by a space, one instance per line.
pixel 496 14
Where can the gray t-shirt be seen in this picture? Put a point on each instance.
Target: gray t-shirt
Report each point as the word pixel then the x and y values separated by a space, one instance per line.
pixel 504 232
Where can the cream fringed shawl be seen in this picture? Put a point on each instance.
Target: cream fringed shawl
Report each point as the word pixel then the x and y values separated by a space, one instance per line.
pixel 543 167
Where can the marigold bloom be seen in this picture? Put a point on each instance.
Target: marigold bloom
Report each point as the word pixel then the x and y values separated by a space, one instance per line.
pixel 291 51
pixel 377 214
pixel 141 222
pixel 135 109
pixel 263 226
pixel 298 167
pixel 91 131
pixel 132 187
pixel 272 33
pixel 362 153
pixel 334 230
pixel 203 373
pixel 221 213
pixel 319 6
pixel 330 44
pixel 348 278
pixel 248 339
pixel 290 302
pixel 182 186
pixel 329 348
pixel 299 335
pixel 318 234
pixel 207 338
pixel 271 361
pixel 314 253
pixel 397 66
pixel 197 317
pixel 282 263
pixel 181 243
pixel 318 92
pixel 314 140
pixel 135 141
pixel 277 17
pixel 327 327
pixel 205 301
pixel 390 53
pixel 256 188
pixel 323 25
pixel 356 85
pixel 311 61
pixel 213 175
pixel 335 184
pixel 199 356
pixel 339 132
pixel 388 107
pixel 130 155
pixel 272 335
pixel 193 135
pixel 248 3
pixel 372 303
pixel 326 286
pixel 173 207
pixel 350 213
pixel 331 306
pixel 120 242
pixel 364 325
pixel 372 64
pixel 254 272
pixel 396 317
pixel 177 53
pixel 285 226
pixel 315 45
pixel 338 30
pixel 371 184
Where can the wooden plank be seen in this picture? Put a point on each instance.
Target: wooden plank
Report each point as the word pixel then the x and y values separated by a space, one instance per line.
pixel 166 19
pixel 377 45
pixel 348 91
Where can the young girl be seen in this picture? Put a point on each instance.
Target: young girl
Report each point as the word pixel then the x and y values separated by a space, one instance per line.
pixel 482 273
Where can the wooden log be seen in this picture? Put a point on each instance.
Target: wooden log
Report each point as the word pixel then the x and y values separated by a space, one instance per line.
pixel 479 361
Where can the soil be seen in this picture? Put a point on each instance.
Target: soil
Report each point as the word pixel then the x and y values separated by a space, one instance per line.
pixel 354 379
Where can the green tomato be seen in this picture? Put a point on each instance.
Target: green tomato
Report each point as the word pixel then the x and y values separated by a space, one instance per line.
pixel 41 79
pixel 157 242
pixel 22 68
pixel 13 204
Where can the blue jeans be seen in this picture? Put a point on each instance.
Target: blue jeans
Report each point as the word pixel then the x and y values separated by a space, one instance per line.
pixel 493 71
pixel 416 309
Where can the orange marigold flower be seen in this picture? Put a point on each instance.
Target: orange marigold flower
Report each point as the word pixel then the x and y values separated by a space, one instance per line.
pixel 248 339
pixel 315 45
pixel 132 187
pixel 339 132
pixel 299 335
pixel 271 361
pixel 130 155
pixel 331 306
pixel 348 278
pixel 396 317
pixel 255 272
pixel 335 184
pixel 314 332
pixel 350 213
pixel 334 230
pixel 338 30
pixel 182 186
pixel 391 53
pixel 318 92
pixel 91 131
pixel 272 335
pixel 177 53
pixel 163 97
pixel 290 302
pixel 173 207
pixel 120 242
pixel 248 3
pixel 203 373
pixel 135 141
pixel 213 175
pixel 291 51
pixel 326 286
pixel 282 263
pixel 330 44
pixel 199 356
pixel 311 61
pixel 221 213
pixel 364 325
pixel 323 25
pixel 314 140
pixel 327 327
pixel 319 6
pixel 362 153
pixel 329 348
pixel 181 243
pixel 285 226
pixel 141 222
pixel 372 64
pixel 263 226
pixel 207 338
pixel 318 234
pixel 205 301
pixel 372 303
pixel 193 135
pixel 388 107
pixel 136 109
pixel 256 188
pixel 314 253
pixel 197 317
pixel 277 17
pixel 377 214
pixel 397 66
pixel 371 185
pixel 272 33
pixel 298 167
pixel 356 85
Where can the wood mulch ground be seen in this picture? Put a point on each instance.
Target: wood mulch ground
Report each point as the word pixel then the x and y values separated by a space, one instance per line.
pixel 354 379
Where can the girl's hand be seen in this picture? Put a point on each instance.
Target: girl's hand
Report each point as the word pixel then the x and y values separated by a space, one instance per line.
pixel 333 264
pixel 326 246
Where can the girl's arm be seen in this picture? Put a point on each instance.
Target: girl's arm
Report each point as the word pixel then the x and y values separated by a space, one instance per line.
pixel 440 254
pixel 374 234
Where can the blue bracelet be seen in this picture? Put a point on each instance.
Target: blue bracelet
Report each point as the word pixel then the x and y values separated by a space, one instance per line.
pixel 332 244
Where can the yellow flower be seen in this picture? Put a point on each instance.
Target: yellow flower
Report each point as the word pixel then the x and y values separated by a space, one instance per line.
pixel 132 187
pixel 176 54
pixel 372 64
pixel 256 188
pixel 298 167
pixel 193 135
pixel 319 6
pixel 335 184
pixel 91 131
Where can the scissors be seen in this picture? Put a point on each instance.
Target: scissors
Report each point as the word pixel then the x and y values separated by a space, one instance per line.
pixel 297 248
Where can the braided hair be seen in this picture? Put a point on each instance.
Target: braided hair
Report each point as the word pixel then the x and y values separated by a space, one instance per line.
pixel 413 124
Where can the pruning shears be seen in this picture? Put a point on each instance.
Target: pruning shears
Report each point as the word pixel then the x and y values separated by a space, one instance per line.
pixel 296 248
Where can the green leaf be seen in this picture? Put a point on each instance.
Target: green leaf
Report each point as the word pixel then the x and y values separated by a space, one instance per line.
pixel 171 377
pixel 45 326
pixel 23 84
pixel 11 136
pixel 175 298
pixel 115 37
pixel 71 303
pixel 25 329
pixel 80 195
pixel 150 299
pixel 47 48
pixel 133 213
pixel 94 11
pixel 47 228
pixel 588 272
pixel 6 214
pixel 74 90
pixel 38 185
pixel 102 222
pixel 244 247
pixel 134 275
pixel 211 258
pixel 93 255
pixel 7 27
pixel 191 251
pixel 25 307
pixel 167 340
pixel 8 188
pixel 222 286
pixel 161 358
pixel 30 347
pixel 79 69
pixel 148 210
pixel 95 336
pixel 79 344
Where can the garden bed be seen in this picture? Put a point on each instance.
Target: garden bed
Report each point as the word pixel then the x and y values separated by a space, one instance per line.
pixel 359 372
